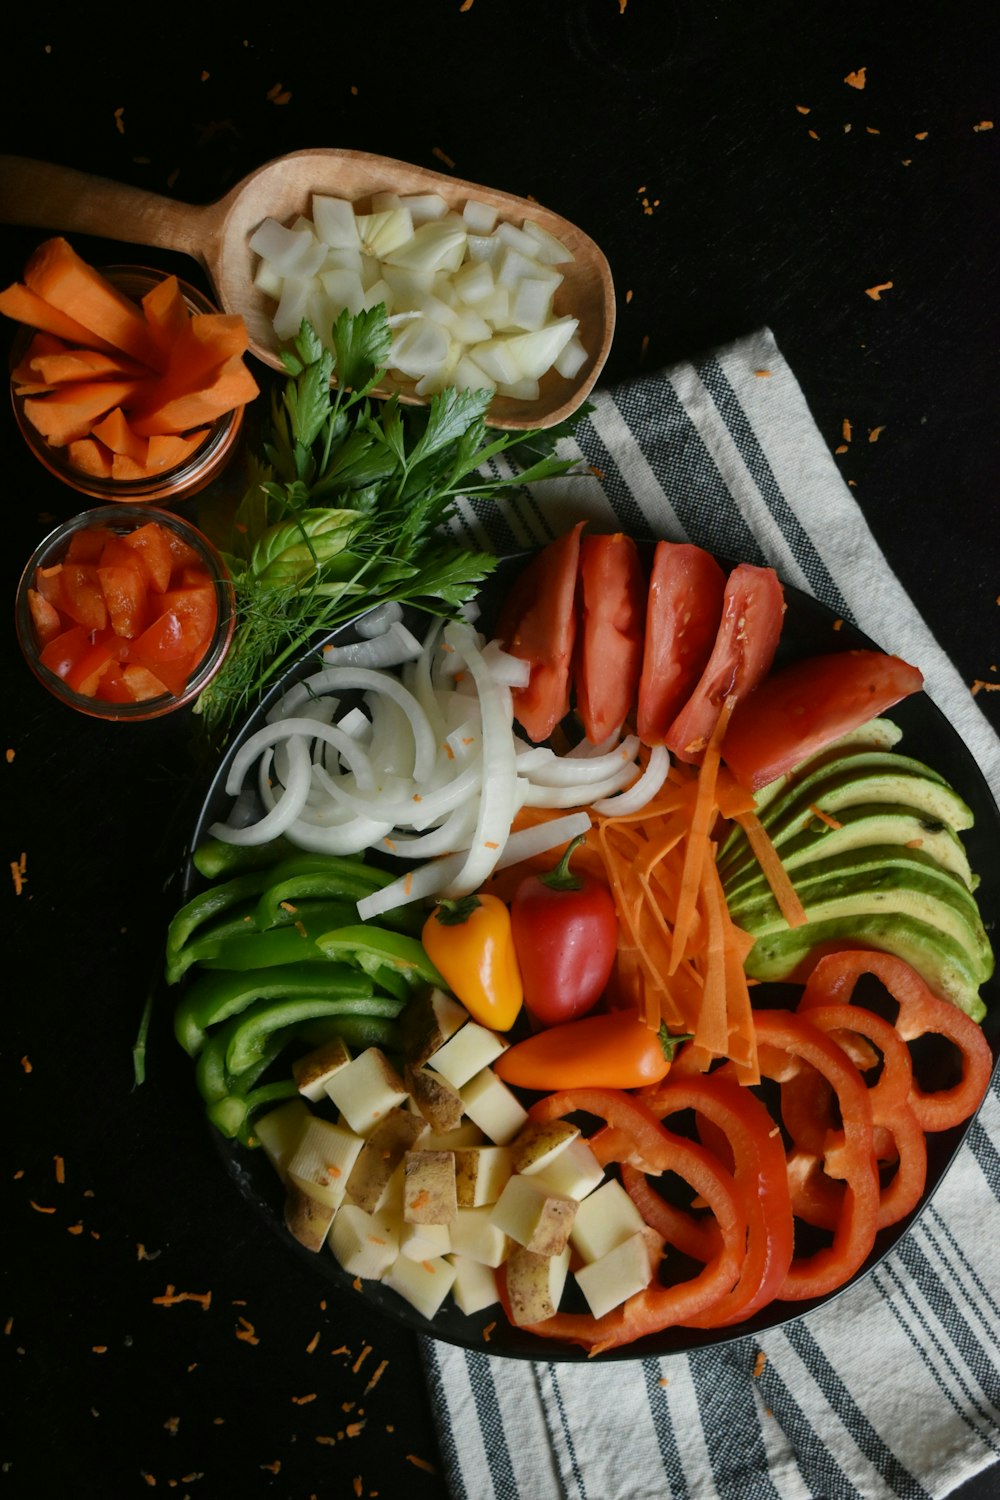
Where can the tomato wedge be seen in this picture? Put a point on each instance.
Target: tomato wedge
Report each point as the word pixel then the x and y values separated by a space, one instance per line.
pixel 612 595
pixel 802 708
pixel 683 610
pixel 538 625
pixel 752 611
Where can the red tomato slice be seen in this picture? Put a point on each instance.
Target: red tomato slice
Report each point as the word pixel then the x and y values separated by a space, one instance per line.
pixel 538 625
pixel 85 674
pixel 683 609
pixel 87 545
pixel 61 654
pixel 82 595
pixel 113 685
pixel 125 595
pixel 163 650
pixel 48 582
pixel 151 548
pixel 805 707
pixel 141 684
pixel 197 610
pixel 610 629
pixel 752 611
pixel 45 618
pixel 181 552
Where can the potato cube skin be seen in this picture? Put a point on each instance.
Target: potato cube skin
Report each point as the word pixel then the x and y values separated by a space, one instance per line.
pixel 429 1195
pixel 537 1219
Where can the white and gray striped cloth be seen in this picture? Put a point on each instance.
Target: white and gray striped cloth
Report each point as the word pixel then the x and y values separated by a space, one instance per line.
pixel 893 1389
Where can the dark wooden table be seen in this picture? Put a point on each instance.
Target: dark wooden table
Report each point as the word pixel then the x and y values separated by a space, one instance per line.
pixel 736 173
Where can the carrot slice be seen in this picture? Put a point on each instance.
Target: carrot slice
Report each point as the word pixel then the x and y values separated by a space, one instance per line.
pixel 70 413
pixel 24 305
pixel 230 386
pixel 59 275
pixel 90 457
pixel 82 364
pixel 114 431
pixel 774 872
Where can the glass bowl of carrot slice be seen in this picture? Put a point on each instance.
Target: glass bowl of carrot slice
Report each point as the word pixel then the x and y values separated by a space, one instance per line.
pixel 145 404
pixel 125 612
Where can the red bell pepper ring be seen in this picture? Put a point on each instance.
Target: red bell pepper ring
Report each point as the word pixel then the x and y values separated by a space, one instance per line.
pixel 818 1198
pixel 656 1307
pixel 825 1270
pixel 761 1181
pixel 920 1013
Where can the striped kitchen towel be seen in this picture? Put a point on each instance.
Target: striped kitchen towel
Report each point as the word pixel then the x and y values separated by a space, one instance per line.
pixel 892 1389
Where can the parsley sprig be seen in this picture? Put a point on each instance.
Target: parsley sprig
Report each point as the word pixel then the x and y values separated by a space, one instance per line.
pixel 347 502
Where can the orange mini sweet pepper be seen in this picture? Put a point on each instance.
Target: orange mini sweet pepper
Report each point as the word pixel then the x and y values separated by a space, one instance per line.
pixel 471 944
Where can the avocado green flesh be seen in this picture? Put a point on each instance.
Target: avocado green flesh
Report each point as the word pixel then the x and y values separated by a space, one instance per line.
pixel 943 963
pixel 877 734
pixel 931 896
pixel 859 777
pixel 872 823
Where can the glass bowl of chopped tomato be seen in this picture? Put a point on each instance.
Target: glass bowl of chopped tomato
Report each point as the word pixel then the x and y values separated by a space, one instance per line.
pixel 125 612
pixel 116 428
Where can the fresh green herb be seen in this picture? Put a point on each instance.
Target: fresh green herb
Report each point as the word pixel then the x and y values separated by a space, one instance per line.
pixel 347 502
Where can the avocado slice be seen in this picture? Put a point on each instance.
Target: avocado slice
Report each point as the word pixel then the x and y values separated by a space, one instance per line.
pixel 859 827
pixel 884 879
pixel 877 734
pixel 790 955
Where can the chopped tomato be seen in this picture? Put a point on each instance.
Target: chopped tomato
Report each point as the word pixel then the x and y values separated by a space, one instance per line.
pixel 124 620
pixel 44 617
pixel 83 599
pixel 87 544
pixel 85 674
pixel 152 550
pixel 125 596
pixel 197 611
pixel 538 625
pixel 610 632
pixel 803 708
pixel 747 638
pixel 61 654
pixel 683 609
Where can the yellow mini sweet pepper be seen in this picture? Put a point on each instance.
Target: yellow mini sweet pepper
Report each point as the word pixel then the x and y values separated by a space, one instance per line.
pixel 471 944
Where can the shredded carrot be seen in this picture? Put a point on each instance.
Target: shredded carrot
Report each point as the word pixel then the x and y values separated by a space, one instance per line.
pixel 775 874
pixel 702 818
pixel 824 817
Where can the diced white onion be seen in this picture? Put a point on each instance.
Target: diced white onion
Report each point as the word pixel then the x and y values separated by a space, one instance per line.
pixel 468 295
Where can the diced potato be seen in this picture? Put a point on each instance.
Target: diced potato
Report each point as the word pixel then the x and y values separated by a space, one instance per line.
pixel 424 1283
pixel 466 1053
pixel 429 1195
pixel 474 1234
pixel 481 1173
pixel 467 1134
pixel 537 1145
pixel 307 1219
pixel 494 1107
pixel 312 1071
pixel 379 1157
pixel 535 1284
pixel 322 1163
pixel 424 1241
pixel 428 1021
pixel 604 1220
pixel 438 1101
pixel 474 1287
pixel 366 1090
pixel 281 1130
pixel 534 1217
pixel 575 1172
pixel 364 1244
pixel 607 1282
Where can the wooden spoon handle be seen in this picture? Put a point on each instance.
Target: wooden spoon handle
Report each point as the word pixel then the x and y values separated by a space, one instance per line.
pixel 61 198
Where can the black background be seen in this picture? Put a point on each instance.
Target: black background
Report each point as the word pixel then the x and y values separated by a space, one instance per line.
pixel 733 179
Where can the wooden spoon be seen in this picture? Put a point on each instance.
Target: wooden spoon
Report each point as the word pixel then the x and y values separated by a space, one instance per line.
pixel 216 235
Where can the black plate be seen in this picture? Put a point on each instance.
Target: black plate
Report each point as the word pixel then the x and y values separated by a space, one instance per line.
pixel 809 628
